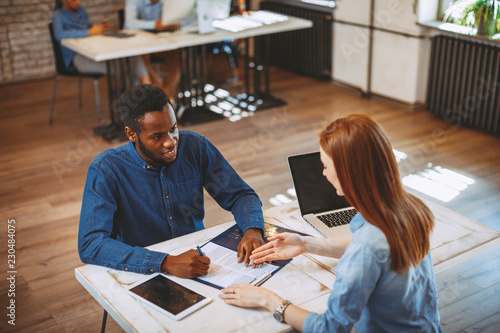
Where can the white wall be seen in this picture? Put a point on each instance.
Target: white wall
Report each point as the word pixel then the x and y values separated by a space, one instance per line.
pixel 350 55
pixel 400 56
pixel 400 67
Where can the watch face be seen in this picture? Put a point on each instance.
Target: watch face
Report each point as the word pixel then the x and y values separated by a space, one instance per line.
pixel 278 316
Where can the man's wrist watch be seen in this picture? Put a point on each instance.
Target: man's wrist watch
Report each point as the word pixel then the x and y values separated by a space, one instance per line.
pixel 278 313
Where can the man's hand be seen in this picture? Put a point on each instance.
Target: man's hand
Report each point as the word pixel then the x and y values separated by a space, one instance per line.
pixel 97 29
pixel 186 265
pixel 251 240
pixel 169 27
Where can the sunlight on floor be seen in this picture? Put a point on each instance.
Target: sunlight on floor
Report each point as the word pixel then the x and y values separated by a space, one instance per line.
pixel 435 181
pixel 399 155
pixel 280 199
pixel 438 182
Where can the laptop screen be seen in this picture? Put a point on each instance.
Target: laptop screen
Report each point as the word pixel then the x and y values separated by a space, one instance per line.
pixel 314 193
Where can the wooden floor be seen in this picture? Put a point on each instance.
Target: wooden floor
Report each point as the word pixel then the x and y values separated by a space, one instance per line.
pixel 43 170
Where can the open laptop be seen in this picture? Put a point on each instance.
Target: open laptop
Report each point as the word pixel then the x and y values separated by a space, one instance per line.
pixel 318 201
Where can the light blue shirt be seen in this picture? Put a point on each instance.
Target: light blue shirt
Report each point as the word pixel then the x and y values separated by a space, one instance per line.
pixel 69 25
pixel 368 295
pixel 142 14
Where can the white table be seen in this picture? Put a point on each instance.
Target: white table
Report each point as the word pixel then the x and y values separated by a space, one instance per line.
pixel 102 48
pixel 306 281
pixel 105 48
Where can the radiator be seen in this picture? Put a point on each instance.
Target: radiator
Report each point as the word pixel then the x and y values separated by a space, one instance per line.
pixel 308 51
pixel 464 82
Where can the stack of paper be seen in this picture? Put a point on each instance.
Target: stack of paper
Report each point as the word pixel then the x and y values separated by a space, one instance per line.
pixel 248 21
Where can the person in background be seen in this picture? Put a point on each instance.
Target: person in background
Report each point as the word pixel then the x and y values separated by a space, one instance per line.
pixel 151 190
pixel 146 15
pixel 70 20
pixel 385 278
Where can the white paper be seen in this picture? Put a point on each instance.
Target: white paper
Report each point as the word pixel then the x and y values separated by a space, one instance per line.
pixel 225 269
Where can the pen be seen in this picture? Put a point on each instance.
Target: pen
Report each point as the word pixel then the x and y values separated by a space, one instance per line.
pixel 263 280
pixel 199 251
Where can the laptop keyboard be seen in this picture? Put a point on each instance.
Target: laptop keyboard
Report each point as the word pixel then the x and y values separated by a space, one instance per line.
pixel 337 218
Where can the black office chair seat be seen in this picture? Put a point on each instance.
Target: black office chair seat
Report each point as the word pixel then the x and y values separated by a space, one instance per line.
pixel 63 72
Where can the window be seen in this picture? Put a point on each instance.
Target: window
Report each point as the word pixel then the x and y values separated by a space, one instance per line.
pixel 443 5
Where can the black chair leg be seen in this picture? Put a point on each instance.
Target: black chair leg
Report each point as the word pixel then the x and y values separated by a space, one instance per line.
pixel 80 92
pixel 53 99
pixel 97 101
pixel 104 318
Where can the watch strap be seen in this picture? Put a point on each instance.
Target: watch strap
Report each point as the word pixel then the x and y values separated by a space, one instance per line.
pixel 281 309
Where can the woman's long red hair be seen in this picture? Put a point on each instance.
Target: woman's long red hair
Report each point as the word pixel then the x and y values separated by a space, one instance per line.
pixel 369 177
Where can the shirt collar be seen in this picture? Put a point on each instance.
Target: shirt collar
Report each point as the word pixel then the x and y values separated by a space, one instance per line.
pixel 137 158
pixel 357 222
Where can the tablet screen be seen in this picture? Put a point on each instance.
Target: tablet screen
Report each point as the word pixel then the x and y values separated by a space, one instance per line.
pixel 169 295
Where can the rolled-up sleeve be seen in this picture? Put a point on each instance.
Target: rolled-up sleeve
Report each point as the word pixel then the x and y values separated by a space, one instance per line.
pixel 358 271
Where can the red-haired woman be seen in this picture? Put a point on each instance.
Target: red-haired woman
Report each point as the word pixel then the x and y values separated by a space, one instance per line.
pixel 385 279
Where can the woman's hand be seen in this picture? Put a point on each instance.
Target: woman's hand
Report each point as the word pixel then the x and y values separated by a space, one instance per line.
pixel 281 246
pixel 247 296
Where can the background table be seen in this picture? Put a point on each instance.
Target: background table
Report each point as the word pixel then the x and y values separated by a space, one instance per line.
pixel 110 49
pixel 306 281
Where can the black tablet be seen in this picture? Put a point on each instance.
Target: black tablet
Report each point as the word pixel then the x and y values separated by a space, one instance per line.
pixel 168 296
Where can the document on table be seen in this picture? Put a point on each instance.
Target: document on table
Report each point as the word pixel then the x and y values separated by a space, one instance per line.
pixel 225 270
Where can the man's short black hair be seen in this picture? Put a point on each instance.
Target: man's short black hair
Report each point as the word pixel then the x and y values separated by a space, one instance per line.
pixel 139 100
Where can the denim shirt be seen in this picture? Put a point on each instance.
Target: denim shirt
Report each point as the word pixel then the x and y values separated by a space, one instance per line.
pixel 143 205
pixel 373 298
pixel 69 25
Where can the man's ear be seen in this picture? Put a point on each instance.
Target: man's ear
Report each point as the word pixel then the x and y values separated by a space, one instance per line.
pixel 131 134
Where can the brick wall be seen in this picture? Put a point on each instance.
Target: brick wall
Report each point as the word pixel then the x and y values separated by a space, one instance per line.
pixel 26 51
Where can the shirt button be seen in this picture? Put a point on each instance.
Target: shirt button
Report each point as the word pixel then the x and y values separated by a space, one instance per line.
pixel 148 167
pixel 166 197
pixel 151 270
pixel 126 268
pixel 170 217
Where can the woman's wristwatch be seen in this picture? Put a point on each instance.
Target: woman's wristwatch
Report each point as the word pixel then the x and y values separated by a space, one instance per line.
pixel 278 313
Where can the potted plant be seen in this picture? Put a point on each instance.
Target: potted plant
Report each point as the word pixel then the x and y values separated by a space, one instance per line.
pixel 479 14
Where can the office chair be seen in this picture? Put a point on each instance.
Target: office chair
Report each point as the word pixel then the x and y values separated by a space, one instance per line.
pixel 63 72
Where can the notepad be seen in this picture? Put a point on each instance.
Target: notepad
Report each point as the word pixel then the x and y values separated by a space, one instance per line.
pixel 224 267
pixel 225 270
pixel 251 20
